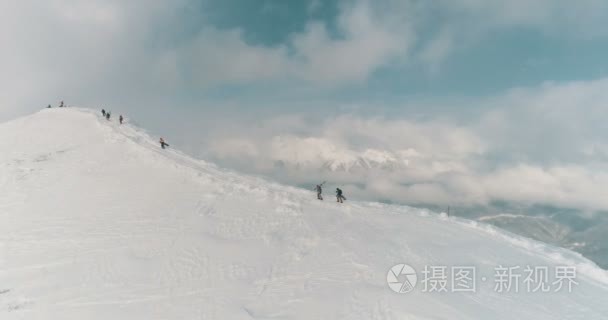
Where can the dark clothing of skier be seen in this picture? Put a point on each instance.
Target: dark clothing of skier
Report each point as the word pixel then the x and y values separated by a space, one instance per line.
pixel 103 112
pixel 163 144
pixel 339 196
pixel 108 115
pixel 61 105
pixel 121 119
pixel 48 106
pixel 319 189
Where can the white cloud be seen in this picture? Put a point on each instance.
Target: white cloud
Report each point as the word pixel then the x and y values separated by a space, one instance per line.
pixel 223 57
pixel 79 51
pixel 581 18
pixel 362 46
pixel 121 51
pixel 532 146
pixel 460 24
pixel 117 52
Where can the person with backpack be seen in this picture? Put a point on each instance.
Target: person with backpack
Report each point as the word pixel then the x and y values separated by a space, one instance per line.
pixel 108 115
pixel 103 112
pixel 163 144
pixel 121 119
pixel 340 197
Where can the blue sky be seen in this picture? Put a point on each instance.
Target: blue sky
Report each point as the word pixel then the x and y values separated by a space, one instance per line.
pixel 513 56
pixel 273 51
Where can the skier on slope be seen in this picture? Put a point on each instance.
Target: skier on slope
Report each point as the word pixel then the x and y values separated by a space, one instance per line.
pixel 61 105
pixel 103 112
pixel 121 119
pixel 49 107
pixel 163 144
pixel 108 114
pixel 319 189
pixel 339 196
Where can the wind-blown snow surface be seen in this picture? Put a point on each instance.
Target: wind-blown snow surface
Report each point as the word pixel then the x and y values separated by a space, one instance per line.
pixel 97 222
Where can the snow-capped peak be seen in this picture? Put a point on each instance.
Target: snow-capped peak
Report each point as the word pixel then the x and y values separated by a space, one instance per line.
pixel 320 153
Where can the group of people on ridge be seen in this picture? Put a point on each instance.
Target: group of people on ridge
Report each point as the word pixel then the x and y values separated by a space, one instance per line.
pixel 61 105
pixel 121 119
pixel 108 114
pixel 339 196
pixel 319 188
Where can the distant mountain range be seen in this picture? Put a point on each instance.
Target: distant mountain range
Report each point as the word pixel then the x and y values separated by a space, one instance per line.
pixel 315 153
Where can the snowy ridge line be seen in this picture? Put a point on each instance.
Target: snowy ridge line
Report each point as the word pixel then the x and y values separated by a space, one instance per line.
pixel 553 253
pixel 142 138
pixel 507 215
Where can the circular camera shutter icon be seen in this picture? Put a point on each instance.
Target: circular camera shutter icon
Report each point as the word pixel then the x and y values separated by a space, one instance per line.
pixel 402 278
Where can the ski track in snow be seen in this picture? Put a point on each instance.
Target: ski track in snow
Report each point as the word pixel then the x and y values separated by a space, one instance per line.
pixel 97 222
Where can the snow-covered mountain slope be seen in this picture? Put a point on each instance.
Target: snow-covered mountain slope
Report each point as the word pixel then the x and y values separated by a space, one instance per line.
pixel 320 154
pixel 98 222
